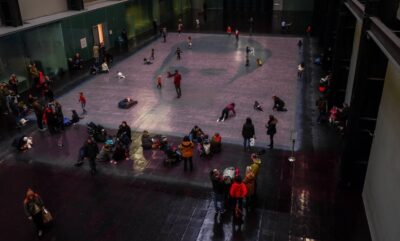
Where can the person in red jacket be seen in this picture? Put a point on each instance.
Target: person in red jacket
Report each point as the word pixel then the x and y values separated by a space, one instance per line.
pixel 225 112
pixel 177 82
pixel 82 100
pixel 238 191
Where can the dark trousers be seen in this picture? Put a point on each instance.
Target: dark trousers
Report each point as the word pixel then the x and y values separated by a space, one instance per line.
pixel 39 120
pixel 224 114
pixel 246 143
pixel 185 160
pixel 178 91
pixel 92 162
pixel 271 140
pixel 38 220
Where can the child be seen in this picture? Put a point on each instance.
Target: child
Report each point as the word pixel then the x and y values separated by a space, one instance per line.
pixel 189 42
pixel 82 100
pixel 159 85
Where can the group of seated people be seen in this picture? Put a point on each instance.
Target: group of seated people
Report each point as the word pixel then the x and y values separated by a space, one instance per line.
pixel 205 145
pixel 116 149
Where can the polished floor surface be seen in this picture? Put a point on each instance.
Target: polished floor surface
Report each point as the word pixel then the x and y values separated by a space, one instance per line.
pixel 213 75
pixel 141 199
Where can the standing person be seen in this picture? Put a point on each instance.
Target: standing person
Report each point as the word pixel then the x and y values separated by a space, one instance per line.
pixel 186 148
pixel 229 30
pixel 124 135
pixel 152 54
pixel 225 112
pixel 197 24
pixel 247 133
pixel 164 34
pixel 255 169
pixel 180 27
pixel 96 53
pixel 300 44
pixel 90 152
pixel 322 105
pixel 237 35
pixel 218 190
pixel 238 192
pixel 13 83
pixel 177 82
pixel 59 116
pixel 300 70
pixel 38 109
pixel 82 100
pixel 178 53
pixel 249 181
pixel 283 26
pixel 251 22
pixel 189 42
pixel 33 206
pixel 159 82
pixel 271 130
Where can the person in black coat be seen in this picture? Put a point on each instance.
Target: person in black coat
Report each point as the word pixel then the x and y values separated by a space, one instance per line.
pixel 90 152
pixel 247 133
pixel 218 190
pixel 271 130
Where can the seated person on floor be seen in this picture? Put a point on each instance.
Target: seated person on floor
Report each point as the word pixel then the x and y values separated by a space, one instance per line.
pixel 196 134
pixel 147 143
pixel 23 143
pixel 75 117
pixel 204 147
pixel 216 143
pixel 127 103
pixel 257 106
pixel 76 62
pixel 146 61
pixel 279 105
pixel 119 154
pixel 107 150
pixel 259 62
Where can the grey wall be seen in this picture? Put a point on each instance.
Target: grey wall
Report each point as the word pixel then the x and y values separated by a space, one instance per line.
pixel 38 8
pixel 354 55
pixel 381 193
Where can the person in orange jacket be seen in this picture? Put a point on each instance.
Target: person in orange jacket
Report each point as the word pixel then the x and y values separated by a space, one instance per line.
pixel 186 148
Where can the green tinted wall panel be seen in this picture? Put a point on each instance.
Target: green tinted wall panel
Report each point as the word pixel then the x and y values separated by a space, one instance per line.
pixel 74 29
pixel 45 45
pixel 12 57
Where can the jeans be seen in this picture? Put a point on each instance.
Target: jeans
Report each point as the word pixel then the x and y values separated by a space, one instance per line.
pixel 246 143
pixel 218 201
pixel 178 91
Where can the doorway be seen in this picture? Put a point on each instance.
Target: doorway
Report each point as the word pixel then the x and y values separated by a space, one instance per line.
pixel 98 34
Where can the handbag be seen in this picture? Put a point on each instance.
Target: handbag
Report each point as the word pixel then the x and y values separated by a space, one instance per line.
pixel 252 141
pixel 47 217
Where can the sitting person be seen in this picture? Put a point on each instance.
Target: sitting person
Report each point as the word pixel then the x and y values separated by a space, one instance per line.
pixel 107 150
pixel 259 62
pixel 216 143
pixel 146 61
pixel 257 106
pixel 118 155
pixel 75 117
pixel 196 134
pixel 77 62
pixel 147 143
pixel 279 105
pixel 104 67
pixel 23 143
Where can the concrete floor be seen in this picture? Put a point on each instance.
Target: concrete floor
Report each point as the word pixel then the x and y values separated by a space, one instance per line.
pixel 214 74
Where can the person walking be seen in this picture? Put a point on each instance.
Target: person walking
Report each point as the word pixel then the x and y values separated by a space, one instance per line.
pixel 247 133
pixel 82 100
pixel 159 82
pixel 177 82
pixel 218 190
pixel 164 34
pixel 186 148
pixel 271 130
pixel 225 112
pixel 178 53
pixel 237 35
pixel 90 152
pixel 33 206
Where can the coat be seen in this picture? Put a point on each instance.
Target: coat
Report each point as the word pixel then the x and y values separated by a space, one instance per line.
pixel 248 131
pixel 34 205
pixel 238 190
pixel 186 148
pixel 255 167
pixel 249 181
pixel 91 150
